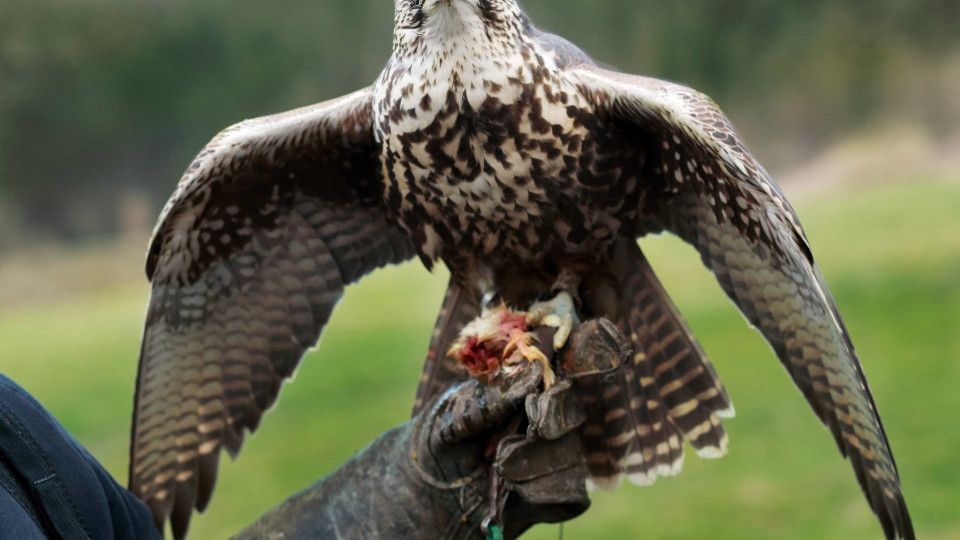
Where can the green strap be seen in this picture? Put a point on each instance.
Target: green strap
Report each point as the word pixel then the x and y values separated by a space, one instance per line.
pixel 495 533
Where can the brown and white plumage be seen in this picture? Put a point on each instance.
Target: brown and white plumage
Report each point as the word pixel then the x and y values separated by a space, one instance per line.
pixel 715 196
pixel 249 258
pixel 506 153
pixel 668 392
pixel 720 200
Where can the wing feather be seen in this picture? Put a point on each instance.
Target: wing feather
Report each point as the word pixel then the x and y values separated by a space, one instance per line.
pixel 269 224
pixel 709 190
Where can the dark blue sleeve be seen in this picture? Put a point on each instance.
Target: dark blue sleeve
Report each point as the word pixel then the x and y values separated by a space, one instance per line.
pixel 71 492
pixel 15 521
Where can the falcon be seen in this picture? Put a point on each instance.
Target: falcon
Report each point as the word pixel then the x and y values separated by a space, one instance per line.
pixel 510 156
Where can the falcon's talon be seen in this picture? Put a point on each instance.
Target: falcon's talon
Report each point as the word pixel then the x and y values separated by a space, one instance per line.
pixel 563 333
pixel 552 320
pixel 559 313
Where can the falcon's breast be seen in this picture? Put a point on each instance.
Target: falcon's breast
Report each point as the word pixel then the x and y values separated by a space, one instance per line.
pixel 499 157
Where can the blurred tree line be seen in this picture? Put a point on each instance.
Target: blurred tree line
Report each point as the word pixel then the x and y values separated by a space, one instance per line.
pixel 103 102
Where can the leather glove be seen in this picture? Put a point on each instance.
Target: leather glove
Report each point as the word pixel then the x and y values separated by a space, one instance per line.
pixel 480 455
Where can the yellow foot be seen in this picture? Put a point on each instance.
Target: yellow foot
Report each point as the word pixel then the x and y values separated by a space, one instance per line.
pixel 559 313
pixel 521 346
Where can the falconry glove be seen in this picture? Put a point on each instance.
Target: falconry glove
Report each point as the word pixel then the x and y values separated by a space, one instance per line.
pixel 478 455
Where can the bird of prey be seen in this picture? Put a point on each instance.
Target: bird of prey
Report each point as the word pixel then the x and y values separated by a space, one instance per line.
pixel 510 156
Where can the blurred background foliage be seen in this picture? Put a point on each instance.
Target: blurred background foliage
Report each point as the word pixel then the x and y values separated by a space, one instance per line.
pixel 103 102
pixel 853 106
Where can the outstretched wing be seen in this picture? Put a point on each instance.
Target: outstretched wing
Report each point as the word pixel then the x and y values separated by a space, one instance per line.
pixel 249 257
pixel 711 192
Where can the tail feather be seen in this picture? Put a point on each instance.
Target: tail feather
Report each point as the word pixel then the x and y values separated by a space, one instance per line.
pixel 636 417
pixel 439 370
pixel 687 382
pixel 627 431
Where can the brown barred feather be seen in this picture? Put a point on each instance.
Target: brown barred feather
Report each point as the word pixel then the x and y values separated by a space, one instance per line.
pixel 669 390
pixel 627 432
pixel 439 370
pixel 248 261
pixel 714 195
pixel 690 388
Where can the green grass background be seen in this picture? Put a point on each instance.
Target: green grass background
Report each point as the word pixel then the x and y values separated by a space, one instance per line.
pixel 891 255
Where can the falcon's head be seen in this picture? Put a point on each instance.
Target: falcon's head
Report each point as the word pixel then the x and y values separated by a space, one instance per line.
pixel 448 20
